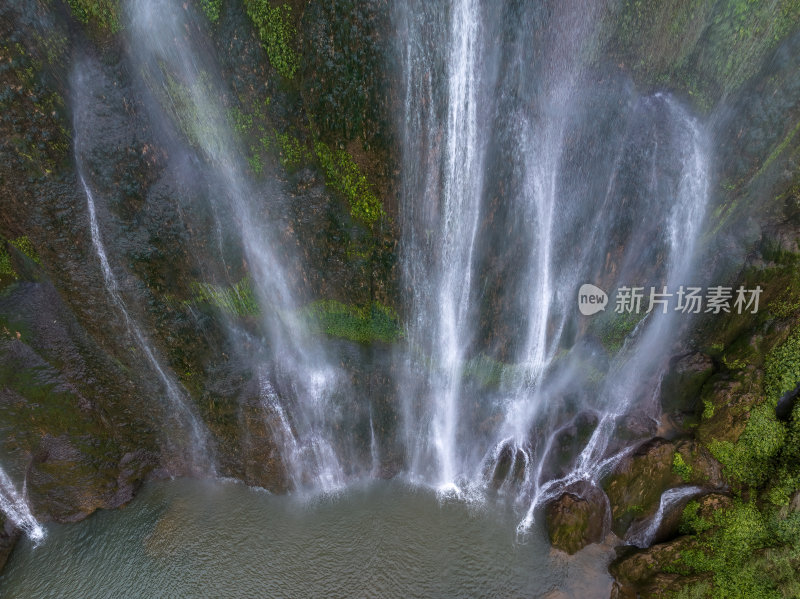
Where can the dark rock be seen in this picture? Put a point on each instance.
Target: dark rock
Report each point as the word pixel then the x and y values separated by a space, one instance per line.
pixel 680 389
pixel 786 403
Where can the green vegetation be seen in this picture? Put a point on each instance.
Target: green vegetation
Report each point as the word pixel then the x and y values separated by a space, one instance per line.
pixel 681 468
pixel 750 554
pixel 485 370
pixel 343 175
pixel 264 140
pixel 612 329
pixel 782 368
pixel 778 150
pixel 752 548
pixel 362 324
pixel 292 153
pixel 277 34
pixel 747 461
pixel 238 300
pixel 24 245
pixel 6 268
pixel 211 8
pixel 705 47
pixel 105 13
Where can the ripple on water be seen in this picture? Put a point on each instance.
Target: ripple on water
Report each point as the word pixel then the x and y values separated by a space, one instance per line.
pixel 190 538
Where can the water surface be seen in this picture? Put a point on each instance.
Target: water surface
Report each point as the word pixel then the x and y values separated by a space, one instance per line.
pixel 190 538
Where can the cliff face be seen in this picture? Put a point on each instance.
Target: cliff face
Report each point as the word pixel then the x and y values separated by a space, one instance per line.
pixel 80 413
pixel 312 98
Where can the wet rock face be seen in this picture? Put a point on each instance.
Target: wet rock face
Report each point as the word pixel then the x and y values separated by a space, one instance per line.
pixel 576 519
pixel 99 429
pixel 648 572
pixel 635 486
pixel 640 573
pixel 67 413
pixel 681 386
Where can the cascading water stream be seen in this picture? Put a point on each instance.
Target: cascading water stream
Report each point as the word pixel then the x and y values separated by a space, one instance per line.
pixel 582 213
pixel 670 497
pixel 303 380
pixel 197 453
pixel 16 509
pixel 448 190
pixel 640 358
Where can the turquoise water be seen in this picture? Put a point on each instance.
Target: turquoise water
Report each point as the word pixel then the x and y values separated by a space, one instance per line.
pixel 190 538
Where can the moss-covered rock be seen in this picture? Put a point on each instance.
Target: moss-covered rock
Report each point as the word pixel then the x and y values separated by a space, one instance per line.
pixel 576 519
pixel 635 486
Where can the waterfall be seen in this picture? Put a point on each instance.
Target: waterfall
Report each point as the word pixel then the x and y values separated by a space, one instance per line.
pixel 197 453
pixel 303 379
pixel 444 141
pixel 16 509
pixel 520 184
pixel 670 497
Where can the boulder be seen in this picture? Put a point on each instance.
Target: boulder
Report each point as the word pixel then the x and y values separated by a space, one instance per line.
pixel 576 518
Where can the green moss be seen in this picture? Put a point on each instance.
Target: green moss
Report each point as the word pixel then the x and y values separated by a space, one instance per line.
pixel 277 34
pixel 748 460
pixel 708 409
pixel 485 370
pixel 211 9
pixel 240 121
pixel 105 13
pixel 778 150
pixel 704 47
pixel 292 153
pixel 681 468
pixel 238 300
pixel 24 245
pixel 6 268
pixel 782 368
pixel 375 322
pixel 253 127
pixel 343 175
pixel 751 554
pixel 363 324
pixel 612 329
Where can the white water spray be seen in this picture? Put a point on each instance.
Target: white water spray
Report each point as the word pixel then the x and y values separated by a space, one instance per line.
pixel 15 507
